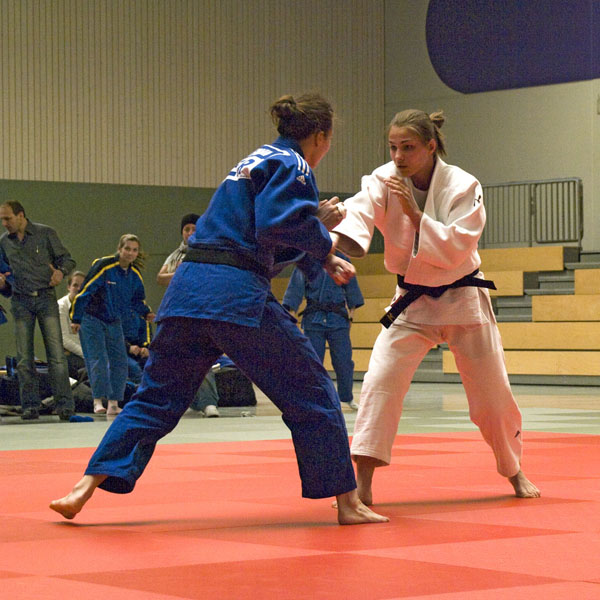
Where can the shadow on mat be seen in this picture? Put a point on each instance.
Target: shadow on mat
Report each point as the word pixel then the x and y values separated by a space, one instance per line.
pixel 449 501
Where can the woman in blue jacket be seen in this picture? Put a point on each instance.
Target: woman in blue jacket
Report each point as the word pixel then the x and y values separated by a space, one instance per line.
pixel 265 212
pixel 112 288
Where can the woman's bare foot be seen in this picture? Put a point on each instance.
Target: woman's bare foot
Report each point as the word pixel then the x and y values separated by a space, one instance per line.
pixel 113 408
pixel 99 407
pixel 351 511
pixel 73 502
pixel 365 467
pixel 523 487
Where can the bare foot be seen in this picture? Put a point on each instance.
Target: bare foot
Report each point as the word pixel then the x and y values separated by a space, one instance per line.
pixel 351 511
pixel 99 407
pixel 73 502
pixel 113 408
pixel 365 467
pixel 523 487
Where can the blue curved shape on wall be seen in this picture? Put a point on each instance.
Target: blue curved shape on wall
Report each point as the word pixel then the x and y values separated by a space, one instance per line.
pixel 484 45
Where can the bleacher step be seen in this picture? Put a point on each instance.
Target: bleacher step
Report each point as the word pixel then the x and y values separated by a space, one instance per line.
pixel 582 265
pixel 513 318
pixel 553 291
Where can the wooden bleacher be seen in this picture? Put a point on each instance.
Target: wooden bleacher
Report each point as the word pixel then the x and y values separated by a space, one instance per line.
pixel 561 344
pixel 587 281
pixel 563 339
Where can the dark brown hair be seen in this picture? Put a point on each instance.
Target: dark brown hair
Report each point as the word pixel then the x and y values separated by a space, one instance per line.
pixel 15 206
pixel 301 117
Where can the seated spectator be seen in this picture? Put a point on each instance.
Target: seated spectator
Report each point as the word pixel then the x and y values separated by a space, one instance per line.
pixel 188 226
pixel 207 396
pixel 70 340
pixel 224 385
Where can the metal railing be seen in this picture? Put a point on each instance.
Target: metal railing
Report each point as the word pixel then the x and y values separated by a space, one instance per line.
pixel 533 212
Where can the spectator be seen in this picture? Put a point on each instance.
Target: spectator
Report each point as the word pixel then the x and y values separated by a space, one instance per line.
pixel 38 262
pixel 112 288
pixel 327 319
pixel 71 342
pixel 188 226
pixel 207 396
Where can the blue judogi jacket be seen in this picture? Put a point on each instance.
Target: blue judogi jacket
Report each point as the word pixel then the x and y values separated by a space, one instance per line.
pixel 320 292
pixel 265 209
pixel 109 292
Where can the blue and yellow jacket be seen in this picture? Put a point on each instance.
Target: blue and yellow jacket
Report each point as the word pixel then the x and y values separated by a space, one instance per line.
pixel 136 330
pixel 109 292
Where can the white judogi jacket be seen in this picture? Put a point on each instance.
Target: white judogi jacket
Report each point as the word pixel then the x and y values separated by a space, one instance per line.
pixel 444 250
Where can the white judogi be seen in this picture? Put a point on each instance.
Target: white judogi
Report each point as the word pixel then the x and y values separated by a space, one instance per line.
pixel 444 250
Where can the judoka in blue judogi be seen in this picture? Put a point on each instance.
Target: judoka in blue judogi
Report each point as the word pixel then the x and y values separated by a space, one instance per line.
pixel 326 319
pixel 264 214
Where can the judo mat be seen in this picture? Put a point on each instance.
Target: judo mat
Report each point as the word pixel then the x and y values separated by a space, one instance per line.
pixel 226 521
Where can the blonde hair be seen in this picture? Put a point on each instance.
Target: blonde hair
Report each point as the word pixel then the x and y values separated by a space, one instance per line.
pixel 427 127
pixel 299 118
pixel 140 261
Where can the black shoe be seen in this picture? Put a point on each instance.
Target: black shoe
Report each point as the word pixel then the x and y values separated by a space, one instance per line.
pixel 65 414
pixel 30 414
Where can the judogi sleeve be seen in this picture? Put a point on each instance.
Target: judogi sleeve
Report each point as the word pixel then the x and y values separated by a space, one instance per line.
pixel 294 294
pixel 365 211
pixel 354 297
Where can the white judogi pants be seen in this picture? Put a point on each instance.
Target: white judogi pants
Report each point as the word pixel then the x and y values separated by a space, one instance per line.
pixel 479 355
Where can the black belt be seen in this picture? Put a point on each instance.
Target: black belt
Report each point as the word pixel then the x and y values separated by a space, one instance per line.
pixel 217 256
pixel 312 307
pixel 414 291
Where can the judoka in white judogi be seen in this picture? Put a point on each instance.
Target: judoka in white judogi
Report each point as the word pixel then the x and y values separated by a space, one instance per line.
pixel 440 252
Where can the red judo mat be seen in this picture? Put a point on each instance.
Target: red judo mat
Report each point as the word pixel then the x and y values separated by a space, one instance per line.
pixel 226 521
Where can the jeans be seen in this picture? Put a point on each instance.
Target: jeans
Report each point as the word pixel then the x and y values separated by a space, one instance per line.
pixel 105 357
pixel 207 393
pixel 25 310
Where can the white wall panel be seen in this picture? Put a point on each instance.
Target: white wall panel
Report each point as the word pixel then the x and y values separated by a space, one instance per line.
pixel 174 92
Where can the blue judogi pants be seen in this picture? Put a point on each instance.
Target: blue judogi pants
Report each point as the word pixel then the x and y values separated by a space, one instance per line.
pixel 275 355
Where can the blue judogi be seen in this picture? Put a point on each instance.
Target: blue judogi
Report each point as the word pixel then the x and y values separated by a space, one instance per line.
pixel 262 214
pixel 325 320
